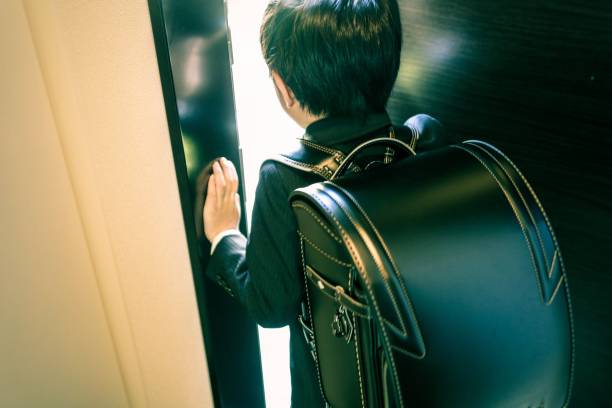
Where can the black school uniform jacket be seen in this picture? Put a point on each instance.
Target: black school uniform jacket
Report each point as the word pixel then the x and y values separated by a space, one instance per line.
pixel 264 272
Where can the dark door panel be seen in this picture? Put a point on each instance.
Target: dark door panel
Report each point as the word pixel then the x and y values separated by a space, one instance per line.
pixel 535 79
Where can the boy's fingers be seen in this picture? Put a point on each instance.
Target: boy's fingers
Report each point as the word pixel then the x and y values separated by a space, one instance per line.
pixel 212 191
pixel 234 179
pixel 211 194
pixel 219 182
pixel 231 177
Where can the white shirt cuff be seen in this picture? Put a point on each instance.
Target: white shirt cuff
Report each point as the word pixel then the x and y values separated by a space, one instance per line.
pixel 220 236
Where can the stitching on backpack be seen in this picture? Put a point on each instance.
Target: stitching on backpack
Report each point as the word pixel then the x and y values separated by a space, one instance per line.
pixel 311 168
pixel 516 215
pixel 319 221
pixel 561 264
pixel 327 255
pixel 312 323
pixel 361 315
pixel 538 203
pixel 297 163
pixel 358 363
pixel 528 210
pixel 324 149
pixel 352 303
pixel 571 318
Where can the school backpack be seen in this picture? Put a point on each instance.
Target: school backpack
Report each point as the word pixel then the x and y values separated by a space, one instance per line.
pixel 433 276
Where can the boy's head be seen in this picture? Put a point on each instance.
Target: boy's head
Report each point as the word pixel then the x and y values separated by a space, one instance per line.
pixel 337 57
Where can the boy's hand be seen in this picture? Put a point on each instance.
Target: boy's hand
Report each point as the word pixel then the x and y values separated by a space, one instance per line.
pixel 222 206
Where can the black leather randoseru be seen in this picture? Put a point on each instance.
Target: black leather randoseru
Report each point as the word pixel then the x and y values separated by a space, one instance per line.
pixel 435 280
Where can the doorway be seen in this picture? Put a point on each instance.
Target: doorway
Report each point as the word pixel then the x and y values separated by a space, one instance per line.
pixel 220 102
pixel 264 129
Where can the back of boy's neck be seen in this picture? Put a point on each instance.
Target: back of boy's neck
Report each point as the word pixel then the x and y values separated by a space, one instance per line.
pixel 305 119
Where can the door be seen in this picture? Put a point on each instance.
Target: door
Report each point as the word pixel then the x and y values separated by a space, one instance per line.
pixel 194 59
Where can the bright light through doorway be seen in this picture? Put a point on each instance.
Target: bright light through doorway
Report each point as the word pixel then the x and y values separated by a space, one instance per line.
pixel 264 129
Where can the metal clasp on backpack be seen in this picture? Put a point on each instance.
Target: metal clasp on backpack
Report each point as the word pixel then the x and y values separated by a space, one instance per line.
pixel 341 324
pixel 389 152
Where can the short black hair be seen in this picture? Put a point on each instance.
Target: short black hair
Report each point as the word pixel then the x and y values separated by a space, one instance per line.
pixel 339 57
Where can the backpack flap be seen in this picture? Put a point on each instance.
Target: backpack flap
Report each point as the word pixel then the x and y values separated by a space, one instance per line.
pixel 457 264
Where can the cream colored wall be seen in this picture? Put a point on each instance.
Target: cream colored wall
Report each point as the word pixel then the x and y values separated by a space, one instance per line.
pixel 97 305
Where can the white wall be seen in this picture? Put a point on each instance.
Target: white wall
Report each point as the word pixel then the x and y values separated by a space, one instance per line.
pixel 97 306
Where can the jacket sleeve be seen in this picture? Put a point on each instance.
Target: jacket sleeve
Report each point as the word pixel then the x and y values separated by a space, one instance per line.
pixel 263 272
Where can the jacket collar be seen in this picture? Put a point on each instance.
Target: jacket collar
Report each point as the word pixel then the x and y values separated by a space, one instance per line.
pixel 338 129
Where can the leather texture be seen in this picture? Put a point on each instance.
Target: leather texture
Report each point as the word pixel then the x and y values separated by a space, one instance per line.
pixel 436 281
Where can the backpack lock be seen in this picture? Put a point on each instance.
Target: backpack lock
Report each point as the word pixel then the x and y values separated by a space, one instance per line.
pixel 341 324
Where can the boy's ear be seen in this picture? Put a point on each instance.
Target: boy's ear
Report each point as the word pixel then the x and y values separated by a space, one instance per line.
pixel 283 90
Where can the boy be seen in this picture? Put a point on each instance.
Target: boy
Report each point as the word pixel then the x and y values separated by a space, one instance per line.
pixel 333 64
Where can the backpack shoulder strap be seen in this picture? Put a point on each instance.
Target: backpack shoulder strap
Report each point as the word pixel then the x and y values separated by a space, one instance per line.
pixel 312 158
pixel 324 161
